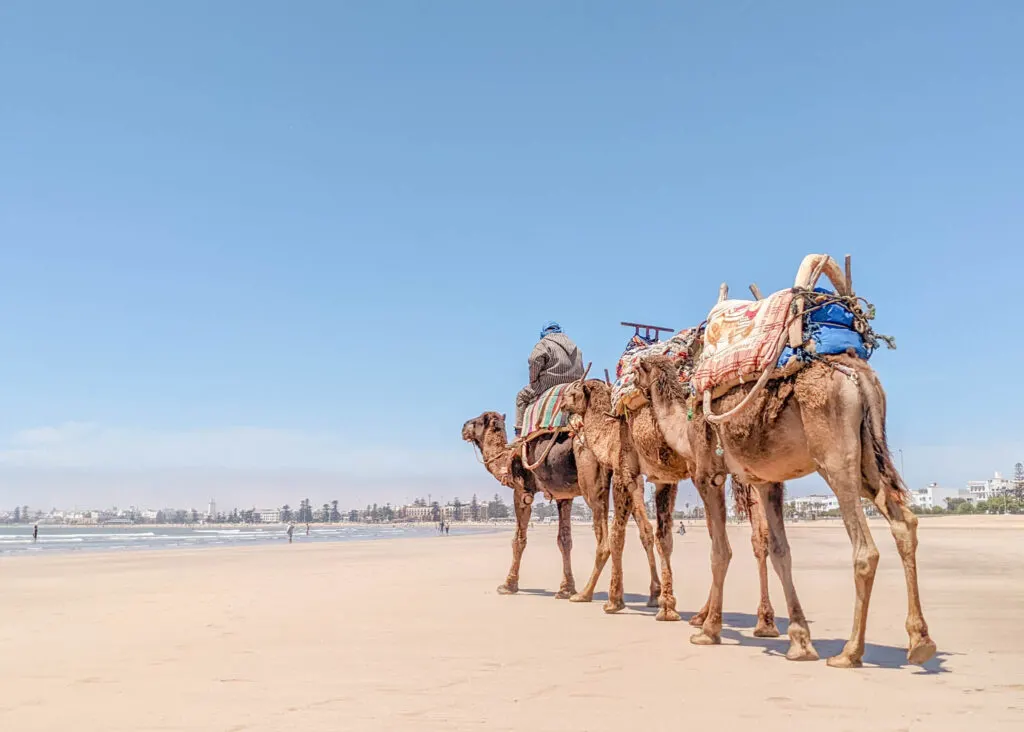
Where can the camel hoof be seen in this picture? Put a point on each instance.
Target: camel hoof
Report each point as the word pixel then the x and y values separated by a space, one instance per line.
pixel 667 615
pixel 614 607
pixel 799 652
pixel 703 639
pixel 581 598
pixel 563 594
pixel 698 620
pixel 842 661
pixel 507 590
pixel 921 652
pixel 766 630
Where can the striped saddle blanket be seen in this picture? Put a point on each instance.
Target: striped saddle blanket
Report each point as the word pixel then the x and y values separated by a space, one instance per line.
pixel 546 415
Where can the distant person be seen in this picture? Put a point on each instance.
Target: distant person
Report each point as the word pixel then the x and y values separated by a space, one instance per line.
pixel 291 530
pixel 35 533
pixel 447 529
pixel 307 529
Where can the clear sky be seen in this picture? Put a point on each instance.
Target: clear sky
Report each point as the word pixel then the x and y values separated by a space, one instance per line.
pixel 268 250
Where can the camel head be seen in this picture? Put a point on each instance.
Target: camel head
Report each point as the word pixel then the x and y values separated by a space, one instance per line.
pixel 654 370
pixel 477 428
pixel 576 397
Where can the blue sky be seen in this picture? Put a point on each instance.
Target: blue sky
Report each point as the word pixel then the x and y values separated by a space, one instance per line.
pixel 308 240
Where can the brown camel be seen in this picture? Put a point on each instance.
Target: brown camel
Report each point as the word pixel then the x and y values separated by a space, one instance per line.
pixel 651 456
pixel 828 418
pixel 568 470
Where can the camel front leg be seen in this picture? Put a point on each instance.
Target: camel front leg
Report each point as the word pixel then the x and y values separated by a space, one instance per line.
pixel 712 492
pixel 643 523
pixel 568 588
pixel 665 499
pixel 770 497
pixel 903 525
pixel 599 506
pixel 759 540
pixel 623 509
pixel 523 506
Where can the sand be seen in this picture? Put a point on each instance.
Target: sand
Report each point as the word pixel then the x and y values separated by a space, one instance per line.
pixel 410 635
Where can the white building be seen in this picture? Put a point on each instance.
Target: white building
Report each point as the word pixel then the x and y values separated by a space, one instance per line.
pixel 269 515
pixel 212 513
pixel 815 504
pixel 934 495
pixel 983 490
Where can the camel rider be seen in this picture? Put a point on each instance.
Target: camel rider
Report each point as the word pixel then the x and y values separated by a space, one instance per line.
pixel 554 360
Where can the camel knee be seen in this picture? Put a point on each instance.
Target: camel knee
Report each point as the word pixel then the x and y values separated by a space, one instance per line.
pixel 865 562
pixel 760 545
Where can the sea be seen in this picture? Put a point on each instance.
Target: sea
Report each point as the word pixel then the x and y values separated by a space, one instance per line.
pixel 17 540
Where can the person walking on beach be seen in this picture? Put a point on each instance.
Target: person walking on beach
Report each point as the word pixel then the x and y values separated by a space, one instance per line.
pixel 35 533
pixel 307 529
pixel 291 530
pixel 447 529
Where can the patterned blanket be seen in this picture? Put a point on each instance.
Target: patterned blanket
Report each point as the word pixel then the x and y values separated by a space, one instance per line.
pixel 625 395
pixel 546 415
pixel 741 340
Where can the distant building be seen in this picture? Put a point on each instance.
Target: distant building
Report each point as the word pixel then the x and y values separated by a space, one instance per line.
pixel 212 512
pixel 984 490
pixel 934 495
pixel 269 515
pixel 814 504
pixel 419 513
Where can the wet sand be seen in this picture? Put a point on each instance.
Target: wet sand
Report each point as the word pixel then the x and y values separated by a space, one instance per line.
pixel 410 635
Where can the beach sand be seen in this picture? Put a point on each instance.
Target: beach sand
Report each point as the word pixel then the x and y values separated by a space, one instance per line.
pixel 410 635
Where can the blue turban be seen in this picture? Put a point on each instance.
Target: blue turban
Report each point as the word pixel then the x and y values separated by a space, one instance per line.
pixel 549 328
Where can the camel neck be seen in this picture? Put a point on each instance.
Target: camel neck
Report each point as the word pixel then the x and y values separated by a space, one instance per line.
pixel 494 446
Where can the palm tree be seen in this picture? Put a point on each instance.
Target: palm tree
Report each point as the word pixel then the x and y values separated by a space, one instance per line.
pixel 325 513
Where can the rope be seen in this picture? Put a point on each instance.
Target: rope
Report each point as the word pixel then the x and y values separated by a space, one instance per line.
pixel 543 457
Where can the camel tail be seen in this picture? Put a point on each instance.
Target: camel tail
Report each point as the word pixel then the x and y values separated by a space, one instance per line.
pixel 876 458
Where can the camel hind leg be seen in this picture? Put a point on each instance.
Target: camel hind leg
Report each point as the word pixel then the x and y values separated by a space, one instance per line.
pixel 647 539
pixel 665 499
pixel 832 427
pixel 883 485
pixel 568 587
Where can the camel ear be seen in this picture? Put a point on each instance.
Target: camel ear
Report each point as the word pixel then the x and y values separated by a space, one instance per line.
pixel 503 417
pixel 586 391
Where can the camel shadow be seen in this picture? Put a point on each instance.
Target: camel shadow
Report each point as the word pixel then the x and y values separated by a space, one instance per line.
pixel 875 655
pixel 633 601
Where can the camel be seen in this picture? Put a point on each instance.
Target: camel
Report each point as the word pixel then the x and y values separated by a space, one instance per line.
pixel 568 470
pixel 828 417
pixel 650 455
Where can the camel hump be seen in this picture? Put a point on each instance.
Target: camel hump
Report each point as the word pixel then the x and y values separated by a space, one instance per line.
pixel 546 416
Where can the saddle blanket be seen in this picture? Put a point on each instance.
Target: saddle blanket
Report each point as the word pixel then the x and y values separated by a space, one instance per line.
pixel 741 339
pixel 546 415
pixel 625 395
